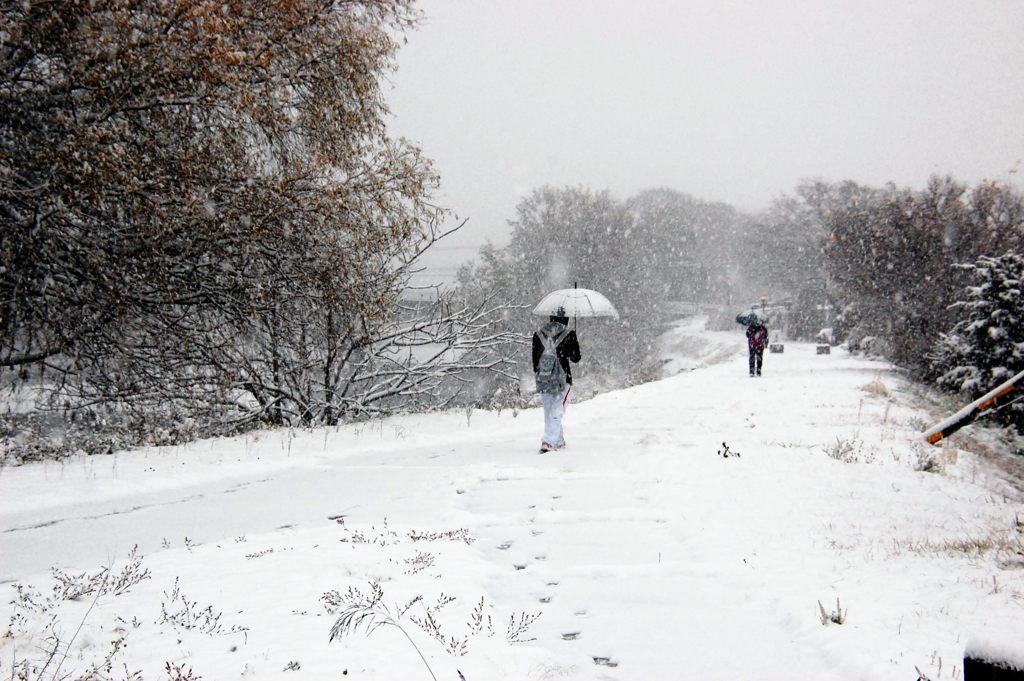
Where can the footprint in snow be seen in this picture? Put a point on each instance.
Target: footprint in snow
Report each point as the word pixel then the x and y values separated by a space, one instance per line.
pixel 570 636
pixel 605 662
pixel 505 546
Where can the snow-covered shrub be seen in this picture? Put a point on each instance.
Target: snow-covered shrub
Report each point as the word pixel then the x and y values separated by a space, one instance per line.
pixel 875 346
pixel 850 451
pixel 986 347
pixel 917 423
pixel 49 433
pixel 499 393
pixel 860 338
pixel 927 461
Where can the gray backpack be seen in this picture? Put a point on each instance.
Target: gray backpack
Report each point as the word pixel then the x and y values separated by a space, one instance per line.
pixel 550 374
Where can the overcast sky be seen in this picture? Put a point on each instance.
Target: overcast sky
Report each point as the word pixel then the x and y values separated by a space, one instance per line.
pixel 726 101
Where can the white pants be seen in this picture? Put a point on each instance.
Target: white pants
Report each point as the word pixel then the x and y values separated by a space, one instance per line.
pixel 554 409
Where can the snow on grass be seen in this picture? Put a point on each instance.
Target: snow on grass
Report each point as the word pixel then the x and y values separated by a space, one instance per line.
pixel 640 551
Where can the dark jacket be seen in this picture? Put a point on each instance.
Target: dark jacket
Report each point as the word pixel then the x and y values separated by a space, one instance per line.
pixel 757 337
pixel 568 350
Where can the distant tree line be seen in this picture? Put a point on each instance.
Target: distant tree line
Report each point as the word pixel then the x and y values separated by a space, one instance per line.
pixel 657 246
pixel 930 278
pixel 205 224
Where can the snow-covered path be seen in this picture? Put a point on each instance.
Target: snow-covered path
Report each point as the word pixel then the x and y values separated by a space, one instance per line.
pixel 647 553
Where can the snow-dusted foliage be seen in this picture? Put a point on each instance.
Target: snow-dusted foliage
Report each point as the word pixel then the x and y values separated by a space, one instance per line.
pixel 890 254
pixel 986 346
pixel 876 264
pixel 888 260
pixel 653 248
pixel 203 211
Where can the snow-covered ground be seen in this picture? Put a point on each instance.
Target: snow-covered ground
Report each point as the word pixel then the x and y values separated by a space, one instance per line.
pixel 639 552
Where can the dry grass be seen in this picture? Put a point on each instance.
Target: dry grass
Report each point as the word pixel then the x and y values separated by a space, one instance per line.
pixel 1005 544
pixel 876 388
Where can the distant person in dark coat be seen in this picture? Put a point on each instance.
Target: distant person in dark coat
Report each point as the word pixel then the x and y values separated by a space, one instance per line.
pixel 554 378
pixel 757 341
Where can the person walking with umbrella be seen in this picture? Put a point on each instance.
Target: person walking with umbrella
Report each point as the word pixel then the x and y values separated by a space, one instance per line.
pixel 757 341
pixel 554 346
pixel 757 338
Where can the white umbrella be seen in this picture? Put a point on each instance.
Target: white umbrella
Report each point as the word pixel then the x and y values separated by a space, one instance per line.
pixel 576 302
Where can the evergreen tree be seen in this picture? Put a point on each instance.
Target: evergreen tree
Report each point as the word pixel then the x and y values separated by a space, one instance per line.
pixel 986 347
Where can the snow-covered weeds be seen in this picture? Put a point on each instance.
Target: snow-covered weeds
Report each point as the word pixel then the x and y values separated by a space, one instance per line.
pixel 71 587
pixel 927 460
pixel 358 610
pixel 837 616
pixel 181 613
pixel 49 631
pixel 38 626
pixel 852 450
